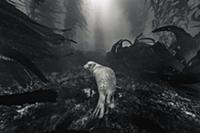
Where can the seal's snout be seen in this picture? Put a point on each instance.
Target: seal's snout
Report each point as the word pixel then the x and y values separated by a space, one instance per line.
pixel 86 66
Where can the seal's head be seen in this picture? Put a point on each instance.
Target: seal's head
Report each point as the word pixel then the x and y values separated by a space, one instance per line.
pixel 91 65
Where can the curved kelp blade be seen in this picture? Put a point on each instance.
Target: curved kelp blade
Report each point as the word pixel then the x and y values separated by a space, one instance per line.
pixel 179 32
pixel 23 60
pixel 188 46
pixel 39 96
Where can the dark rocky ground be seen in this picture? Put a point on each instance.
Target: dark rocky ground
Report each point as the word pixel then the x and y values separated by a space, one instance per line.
pixel 141 107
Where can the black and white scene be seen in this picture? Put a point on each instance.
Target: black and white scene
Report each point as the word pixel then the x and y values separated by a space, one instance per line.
pixel 99 66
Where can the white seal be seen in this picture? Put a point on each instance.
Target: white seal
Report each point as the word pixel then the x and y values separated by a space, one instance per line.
pixel 106 84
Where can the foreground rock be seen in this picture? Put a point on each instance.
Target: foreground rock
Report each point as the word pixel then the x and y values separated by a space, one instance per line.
pixel 141 107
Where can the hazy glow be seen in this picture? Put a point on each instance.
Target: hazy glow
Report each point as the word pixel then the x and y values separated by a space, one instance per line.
pixel 106 23
pixel 100 3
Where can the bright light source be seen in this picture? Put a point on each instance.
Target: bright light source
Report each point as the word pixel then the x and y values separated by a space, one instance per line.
pixel 98 2
pixel 103 4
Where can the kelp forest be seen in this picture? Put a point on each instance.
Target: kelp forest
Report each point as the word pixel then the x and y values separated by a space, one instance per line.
pixel 99 66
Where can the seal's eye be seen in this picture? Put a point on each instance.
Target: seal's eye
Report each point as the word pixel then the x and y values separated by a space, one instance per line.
pixel 91 65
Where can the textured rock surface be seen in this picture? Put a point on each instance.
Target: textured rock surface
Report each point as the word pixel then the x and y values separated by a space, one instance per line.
pixel 141 107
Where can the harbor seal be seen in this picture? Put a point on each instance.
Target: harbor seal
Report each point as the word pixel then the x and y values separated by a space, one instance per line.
pixel 106 84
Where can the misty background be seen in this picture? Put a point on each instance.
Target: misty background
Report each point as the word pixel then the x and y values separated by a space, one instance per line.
pixel 97 24
pixel 110 20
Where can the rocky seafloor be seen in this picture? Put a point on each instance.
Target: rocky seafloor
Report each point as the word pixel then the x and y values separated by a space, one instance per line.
pixel 141 107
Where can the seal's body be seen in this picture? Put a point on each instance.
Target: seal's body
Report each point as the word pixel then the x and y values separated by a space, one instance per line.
pixel 106 84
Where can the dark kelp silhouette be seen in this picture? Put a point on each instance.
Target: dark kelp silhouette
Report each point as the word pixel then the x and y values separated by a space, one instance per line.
pixel 186 47
pixel 29 97
pixel 24 40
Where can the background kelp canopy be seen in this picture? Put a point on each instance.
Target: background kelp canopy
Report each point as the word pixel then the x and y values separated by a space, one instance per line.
pixel 181 13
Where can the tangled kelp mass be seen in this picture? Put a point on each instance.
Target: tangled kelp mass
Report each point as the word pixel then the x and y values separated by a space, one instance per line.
pixel 172 63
